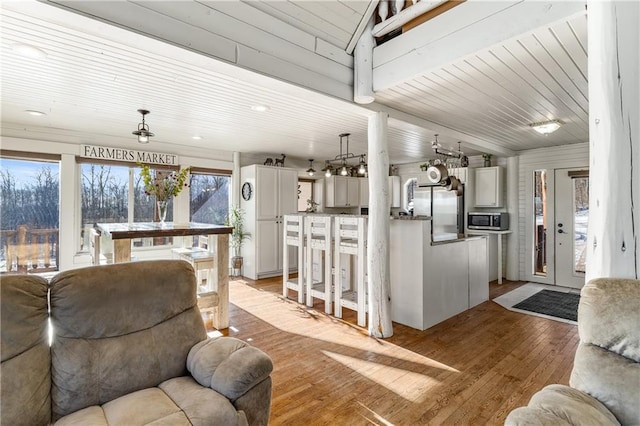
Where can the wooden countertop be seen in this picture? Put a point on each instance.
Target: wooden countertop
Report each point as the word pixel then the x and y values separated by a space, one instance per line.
pixel 156 229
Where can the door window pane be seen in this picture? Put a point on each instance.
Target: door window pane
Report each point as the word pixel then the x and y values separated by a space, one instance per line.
pixel 29 216
pixel 540 222
pixel 581 219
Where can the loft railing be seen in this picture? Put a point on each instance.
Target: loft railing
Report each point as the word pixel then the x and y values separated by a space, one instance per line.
pixel 397 16
pixel 28 250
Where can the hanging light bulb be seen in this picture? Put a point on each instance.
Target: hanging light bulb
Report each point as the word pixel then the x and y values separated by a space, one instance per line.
pixel 343 170
pixel 362 169
pixel 310 170
pixel 143 132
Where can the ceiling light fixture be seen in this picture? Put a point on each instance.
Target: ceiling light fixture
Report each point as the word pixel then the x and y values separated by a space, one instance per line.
pixel 196 138
pixel 342 166
pixel 34 112
pixel 143 132
pixel 310 170
pixel 260 108
pixel 29 51
pixel 546 127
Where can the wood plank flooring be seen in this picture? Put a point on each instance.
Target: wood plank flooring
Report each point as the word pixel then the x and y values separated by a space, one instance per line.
pixel 472 369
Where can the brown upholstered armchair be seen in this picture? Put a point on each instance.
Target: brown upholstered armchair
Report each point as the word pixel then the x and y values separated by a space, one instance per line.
pixel 129 347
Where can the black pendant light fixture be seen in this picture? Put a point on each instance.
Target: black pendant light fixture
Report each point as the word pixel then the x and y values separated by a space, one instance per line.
pixel 343 167
pixel 143 132
pixel 310 170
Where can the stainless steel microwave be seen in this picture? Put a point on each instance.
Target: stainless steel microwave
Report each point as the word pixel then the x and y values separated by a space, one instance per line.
pixel 488 221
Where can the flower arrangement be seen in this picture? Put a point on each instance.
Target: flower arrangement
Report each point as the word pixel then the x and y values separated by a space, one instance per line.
pixel 163 184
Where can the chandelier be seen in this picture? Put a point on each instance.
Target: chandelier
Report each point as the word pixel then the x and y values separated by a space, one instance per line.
pixel 340 164
pixel 143 132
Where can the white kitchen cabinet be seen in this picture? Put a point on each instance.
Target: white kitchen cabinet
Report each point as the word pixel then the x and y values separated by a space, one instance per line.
pixel 489 183
pixel 433 282
pixel 478 271
pixel 274 194
pixel 342 191
pixel 394 191
pixel 364 192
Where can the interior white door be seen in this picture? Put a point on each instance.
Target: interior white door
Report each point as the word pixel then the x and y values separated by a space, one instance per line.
pixel 571 217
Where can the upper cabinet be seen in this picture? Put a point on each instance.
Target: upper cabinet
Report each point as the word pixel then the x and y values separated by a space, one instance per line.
pixel 364 192
pixel 342 191
pixel 489 183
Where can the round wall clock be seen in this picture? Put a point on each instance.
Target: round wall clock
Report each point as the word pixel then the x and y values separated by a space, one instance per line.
pixel 246 191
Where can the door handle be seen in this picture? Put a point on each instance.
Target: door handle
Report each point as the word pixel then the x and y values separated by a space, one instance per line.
pixel 560 231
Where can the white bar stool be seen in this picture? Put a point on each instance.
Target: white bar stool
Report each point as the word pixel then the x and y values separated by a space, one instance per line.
pixel 318 230
pixel 293 237
pixel 351 239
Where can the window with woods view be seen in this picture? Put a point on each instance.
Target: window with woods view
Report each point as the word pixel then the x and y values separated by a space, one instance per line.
pixel 29 216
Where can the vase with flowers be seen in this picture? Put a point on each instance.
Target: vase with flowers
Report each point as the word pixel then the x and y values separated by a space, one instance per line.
pixel 163 185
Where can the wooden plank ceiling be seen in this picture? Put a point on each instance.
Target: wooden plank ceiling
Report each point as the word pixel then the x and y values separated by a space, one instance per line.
pixel 96 76
pixel 496 93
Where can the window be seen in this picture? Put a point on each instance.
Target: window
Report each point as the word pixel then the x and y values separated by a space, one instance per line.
pixel 209 198
pixel 114 193
pixel 409 188
pixel 29 221
pixel 305 193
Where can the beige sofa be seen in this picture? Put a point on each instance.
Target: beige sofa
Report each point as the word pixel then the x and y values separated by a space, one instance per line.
pixel 605 380
pixel 129 347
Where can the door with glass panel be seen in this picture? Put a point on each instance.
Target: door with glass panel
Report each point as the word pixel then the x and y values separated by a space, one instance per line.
pixel 571 218
pixel 558 232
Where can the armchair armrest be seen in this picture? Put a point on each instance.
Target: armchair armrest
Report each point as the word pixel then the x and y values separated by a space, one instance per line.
pixel 228 365
pixel 561 405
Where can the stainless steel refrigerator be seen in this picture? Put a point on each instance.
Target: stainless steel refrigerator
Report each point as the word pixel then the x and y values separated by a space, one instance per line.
pixel 446 209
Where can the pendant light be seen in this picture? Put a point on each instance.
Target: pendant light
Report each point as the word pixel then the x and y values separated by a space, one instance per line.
pixel 343 167
pixel 143 132
pixel 362 167
pixel 310 170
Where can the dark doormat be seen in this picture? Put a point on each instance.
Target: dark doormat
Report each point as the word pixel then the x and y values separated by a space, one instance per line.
pixel 552 303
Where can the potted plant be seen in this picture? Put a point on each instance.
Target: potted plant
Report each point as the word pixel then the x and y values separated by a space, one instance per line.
pixel 238 236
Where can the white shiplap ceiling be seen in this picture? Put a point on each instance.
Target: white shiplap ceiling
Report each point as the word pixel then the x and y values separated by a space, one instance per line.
pixel 496 93
pixel 96 76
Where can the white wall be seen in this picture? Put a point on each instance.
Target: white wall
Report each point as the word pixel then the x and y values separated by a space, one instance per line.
pixel 69 226
pixel 574 155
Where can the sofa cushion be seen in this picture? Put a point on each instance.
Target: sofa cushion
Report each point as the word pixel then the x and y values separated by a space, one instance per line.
pixel 609 315
pixel 202 405
pixel 561 405
pixel 120 328
pixel 24 351
pixel 610 378
pixel 178 401
pixel 228 365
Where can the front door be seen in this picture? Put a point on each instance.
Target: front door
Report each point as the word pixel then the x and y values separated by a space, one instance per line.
pixel 571 217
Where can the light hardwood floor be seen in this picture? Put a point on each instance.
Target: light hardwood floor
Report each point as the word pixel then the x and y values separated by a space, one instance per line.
pixel 472 369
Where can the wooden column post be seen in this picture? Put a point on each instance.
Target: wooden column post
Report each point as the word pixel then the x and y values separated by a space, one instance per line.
pixel 378 230
pixel 614 147
pixel 363 67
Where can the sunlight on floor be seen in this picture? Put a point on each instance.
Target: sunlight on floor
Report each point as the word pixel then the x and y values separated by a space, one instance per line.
pixel 406 384
pixel 377 416
pixel 285 313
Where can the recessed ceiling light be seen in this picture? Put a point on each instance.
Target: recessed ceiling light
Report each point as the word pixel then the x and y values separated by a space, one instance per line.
pixel 35 113
pixel 546 127
pixel 196 137
pixel 29 51
pixel 260 108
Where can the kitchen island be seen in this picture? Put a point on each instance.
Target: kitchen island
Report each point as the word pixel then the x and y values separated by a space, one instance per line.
pixel 434 280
